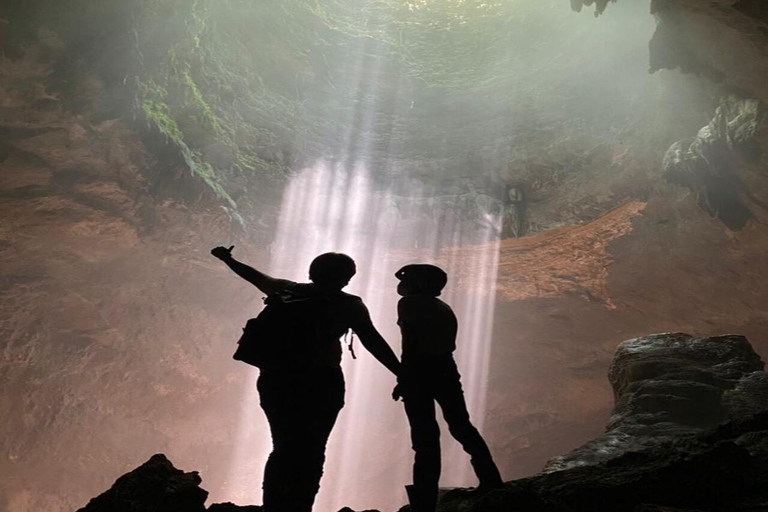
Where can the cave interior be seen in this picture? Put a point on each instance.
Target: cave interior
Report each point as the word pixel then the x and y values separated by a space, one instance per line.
pixel 587 174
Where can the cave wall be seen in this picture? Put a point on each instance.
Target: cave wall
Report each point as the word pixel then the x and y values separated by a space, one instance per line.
pixel 679 269
pixel 116 327
pixel 88 199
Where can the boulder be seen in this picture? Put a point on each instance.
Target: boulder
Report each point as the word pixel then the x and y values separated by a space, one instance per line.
pixel 688 433
pixel 667 386
pixel 155 486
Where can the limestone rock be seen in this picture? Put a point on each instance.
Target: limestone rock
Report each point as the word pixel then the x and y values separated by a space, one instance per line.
pixel 672 385
pixel 155 486
pixel 688 434
pixel 706 163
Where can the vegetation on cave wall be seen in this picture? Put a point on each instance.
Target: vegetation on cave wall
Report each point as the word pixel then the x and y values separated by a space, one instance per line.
pixel 233 89
pixel 200 73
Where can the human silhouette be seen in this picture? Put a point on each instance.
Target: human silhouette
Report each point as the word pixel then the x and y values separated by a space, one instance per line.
pixel 302 402
pixel 515 218
pixel 429 374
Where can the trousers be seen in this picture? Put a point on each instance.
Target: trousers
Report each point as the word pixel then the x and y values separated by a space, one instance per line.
pixel 439 382
pixel 301 408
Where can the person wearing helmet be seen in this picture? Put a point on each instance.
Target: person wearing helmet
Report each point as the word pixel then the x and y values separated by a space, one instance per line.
pixel 428 375
pixel 302 402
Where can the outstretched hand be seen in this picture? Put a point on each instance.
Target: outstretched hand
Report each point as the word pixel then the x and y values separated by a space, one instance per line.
pixel 223 253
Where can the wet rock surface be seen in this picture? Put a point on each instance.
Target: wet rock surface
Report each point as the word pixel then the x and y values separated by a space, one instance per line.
pixel 688 434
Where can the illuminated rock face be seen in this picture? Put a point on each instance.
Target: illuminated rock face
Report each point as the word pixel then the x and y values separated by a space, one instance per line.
pixel 105 344
pixel 672 385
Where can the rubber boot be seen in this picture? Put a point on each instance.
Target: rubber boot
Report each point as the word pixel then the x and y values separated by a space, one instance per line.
pixel 488 474
pixel 421 499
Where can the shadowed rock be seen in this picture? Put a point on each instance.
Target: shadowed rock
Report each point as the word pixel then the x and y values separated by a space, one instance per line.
pixel 231 507
pixel 155 486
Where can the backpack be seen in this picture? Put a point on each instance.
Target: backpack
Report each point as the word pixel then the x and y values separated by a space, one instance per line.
pixel 287 333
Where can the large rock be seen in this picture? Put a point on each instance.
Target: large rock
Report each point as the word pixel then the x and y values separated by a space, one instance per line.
pixel 708 162
pixel 688 433
pixel 155 486
pixel 672 385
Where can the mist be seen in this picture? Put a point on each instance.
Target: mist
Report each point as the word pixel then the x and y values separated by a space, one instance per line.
pixel 136 136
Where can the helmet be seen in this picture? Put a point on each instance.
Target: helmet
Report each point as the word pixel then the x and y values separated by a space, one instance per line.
pixel 428 279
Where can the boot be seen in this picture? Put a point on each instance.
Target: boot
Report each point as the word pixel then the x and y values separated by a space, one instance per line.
pixel 421 499
pixel 488 474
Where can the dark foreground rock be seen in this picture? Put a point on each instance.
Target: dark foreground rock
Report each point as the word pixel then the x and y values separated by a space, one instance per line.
pixel 231 507
pixel 689 433
pixel 155 486
pixel 723 469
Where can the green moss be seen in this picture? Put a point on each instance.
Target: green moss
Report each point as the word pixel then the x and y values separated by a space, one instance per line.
pixel 157 113
pixel 240 88
pixel 200 110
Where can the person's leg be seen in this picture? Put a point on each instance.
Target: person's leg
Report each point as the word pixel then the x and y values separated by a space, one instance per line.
pixel 277 398
pixel 324 398
pixel 425 441
pixel 450 396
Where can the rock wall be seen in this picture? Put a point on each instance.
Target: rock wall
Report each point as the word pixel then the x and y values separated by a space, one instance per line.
pixel 115 329
pixel 677 270
pixel 669 386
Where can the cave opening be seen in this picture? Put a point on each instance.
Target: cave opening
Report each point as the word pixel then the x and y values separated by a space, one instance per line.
pixel 575 199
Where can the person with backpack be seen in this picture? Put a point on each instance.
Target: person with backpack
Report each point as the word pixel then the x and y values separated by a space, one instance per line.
pixel 301 387
pixel 429 374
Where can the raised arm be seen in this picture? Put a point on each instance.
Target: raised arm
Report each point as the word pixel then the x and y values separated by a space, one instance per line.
pixel 374 343
pixel 267 284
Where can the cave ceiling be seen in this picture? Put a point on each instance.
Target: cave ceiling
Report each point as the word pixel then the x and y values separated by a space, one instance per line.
pixel 242 92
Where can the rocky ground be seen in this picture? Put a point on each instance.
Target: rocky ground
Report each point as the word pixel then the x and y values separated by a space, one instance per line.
pixel 688 433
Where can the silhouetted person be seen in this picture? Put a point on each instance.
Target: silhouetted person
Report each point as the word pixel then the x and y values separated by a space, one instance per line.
pixel 302 402
pixel 515 218
pixel 429 375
